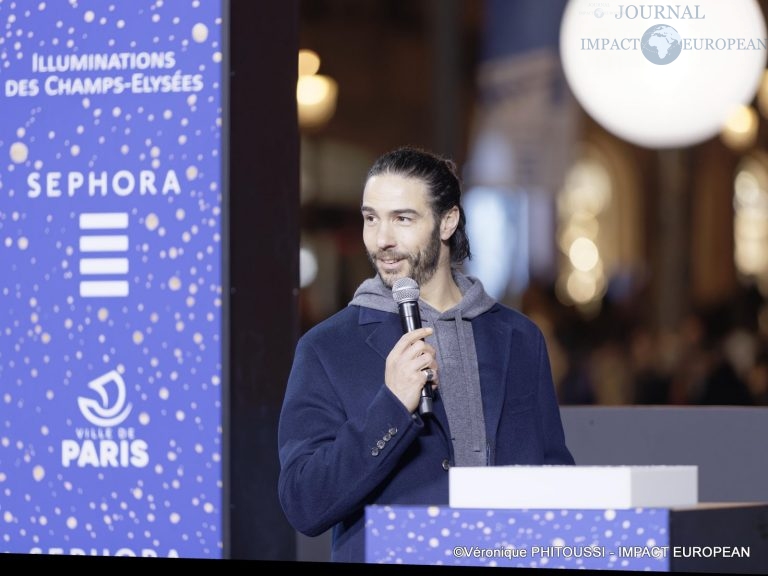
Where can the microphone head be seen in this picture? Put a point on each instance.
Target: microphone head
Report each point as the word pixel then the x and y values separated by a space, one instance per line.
pixel 405 290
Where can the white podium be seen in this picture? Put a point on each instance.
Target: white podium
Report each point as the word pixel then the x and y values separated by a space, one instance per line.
pixel 636 518
pixel 581 487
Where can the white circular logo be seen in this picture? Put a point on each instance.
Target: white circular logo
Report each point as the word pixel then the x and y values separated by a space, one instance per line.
pixel 662 75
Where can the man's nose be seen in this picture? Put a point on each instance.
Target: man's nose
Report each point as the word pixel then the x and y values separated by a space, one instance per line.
pixel 385 237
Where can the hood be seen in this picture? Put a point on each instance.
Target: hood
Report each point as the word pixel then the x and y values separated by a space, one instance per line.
pixel 373 293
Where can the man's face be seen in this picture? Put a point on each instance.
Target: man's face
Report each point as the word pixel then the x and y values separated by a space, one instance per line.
pixel 400 233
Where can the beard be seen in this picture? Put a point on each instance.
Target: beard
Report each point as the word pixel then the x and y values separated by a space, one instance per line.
pixel 421 265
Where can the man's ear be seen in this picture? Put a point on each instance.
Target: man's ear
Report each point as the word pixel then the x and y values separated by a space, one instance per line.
pixel 448 223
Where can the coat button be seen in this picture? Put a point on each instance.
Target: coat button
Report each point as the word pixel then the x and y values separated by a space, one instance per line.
pixel 387 437
pixel 446 464
pixel 393 430
pixel 375 452
pixel 380 444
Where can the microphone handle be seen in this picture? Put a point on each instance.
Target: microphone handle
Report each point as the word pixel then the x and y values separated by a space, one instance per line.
pixel 410 319
pixel 426 399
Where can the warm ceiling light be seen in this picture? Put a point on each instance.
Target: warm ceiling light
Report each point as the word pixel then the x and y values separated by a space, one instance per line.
pixel 740 130
pixel 309 62
pixel 583 254
pixel 316 96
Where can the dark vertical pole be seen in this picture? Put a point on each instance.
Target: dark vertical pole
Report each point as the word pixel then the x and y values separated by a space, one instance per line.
pixel 446 89
pixel 672 237
pixel 263 211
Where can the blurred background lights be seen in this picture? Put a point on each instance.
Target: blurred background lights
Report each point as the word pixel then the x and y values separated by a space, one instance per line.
pixel 762 95
pixel 316 94
pixel 582 287
pixel 497 223
pixel 584 200
pixel 309 62
pixel 750 226
pixel 314 91
pixel 307 267
pixel 740 129
pixel 583 254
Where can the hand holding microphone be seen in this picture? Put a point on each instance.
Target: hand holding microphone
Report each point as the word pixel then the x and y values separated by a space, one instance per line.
pixel 411 369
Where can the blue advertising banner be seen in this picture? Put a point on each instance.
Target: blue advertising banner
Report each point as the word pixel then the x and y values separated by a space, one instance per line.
pixel 110 277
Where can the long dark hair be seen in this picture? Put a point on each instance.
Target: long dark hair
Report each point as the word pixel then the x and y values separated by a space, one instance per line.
pixel 441 177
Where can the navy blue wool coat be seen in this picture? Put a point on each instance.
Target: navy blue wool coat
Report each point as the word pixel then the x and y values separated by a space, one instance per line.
pixel 345 441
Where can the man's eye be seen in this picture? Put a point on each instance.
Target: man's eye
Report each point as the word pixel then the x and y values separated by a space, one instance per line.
pixel 404 219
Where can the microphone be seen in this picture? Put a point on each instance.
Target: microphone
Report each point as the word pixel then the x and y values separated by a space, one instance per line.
pixel 405 291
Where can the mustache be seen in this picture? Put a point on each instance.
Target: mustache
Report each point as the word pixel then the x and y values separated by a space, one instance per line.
pixel 389 255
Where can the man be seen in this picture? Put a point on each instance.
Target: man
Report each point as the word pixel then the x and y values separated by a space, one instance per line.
pixel 350 434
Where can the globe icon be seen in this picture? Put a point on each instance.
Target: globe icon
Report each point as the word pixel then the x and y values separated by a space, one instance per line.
pixel 661 44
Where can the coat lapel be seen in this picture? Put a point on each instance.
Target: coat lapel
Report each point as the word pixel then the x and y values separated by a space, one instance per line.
pixel 384 331
pixel 495 350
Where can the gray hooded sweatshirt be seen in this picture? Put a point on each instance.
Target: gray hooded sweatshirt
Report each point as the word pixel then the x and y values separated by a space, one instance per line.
pixel 454 342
